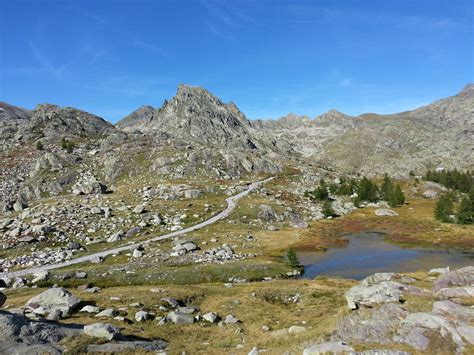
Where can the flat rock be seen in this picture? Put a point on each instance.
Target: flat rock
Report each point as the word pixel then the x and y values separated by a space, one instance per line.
pixel 54 298
pixel 179 318
pixel 453 310
pixel 460 277
pixel 329 347
pixel 455 292
pixel 210 317
pixel 385 212
pixel 383 292
pixel 295 329
pixel 128 347
pixel 102 330
pixel 90 309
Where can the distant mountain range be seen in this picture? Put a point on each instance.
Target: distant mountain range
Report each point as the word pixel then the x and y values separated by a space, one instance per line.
pixel 441 133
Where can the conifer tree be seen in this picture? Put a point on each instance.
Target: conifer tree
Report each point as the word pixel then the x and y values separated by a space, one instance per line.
pixel 292 259
pixel 465 213
pixel 444 208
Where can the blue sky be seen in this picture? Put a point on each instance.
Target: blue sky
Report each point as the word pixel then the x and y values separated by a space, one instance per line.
pixel 270 57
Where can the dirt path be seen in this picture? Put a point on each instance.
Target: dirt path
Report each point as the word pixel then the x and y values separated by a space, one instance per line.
pixel 231 203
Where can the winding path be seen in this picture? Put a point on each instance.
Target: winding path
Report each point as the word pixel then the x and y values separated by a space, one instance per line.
pixel 231 203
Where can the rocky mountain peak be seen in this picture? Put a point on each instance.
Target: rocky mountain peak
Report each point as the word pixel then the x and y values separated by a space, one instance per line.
pixel 51 121
pixel 468 89
pixel 194 115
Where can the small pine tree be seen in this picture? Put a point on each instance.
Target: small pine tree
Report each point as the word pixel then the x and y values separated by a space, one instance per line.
pixel 39 145
pixel 292 259
pixel 386 188
pixel 465 213
pixel 397 197
pixel 367 190
pixel 412 173
pixel 444 208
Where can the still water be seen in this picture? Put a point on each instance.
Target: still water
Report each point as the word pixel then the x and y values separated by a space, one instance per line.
pixel 368 253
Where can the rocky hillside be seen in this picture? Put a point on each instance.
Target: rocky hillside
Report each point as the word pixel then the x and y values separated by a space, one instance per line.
pixel 439 134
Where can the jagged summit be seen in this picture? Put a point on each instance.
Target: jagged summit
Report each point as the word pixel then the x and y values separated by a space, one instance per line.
pixel 194 115
pixel 468 89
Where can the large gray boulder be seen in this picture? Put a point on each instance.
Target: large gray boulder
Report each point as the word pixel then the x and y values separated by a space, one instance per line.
pixel 20 335
pixel 454 310
pixel 417 330
pixel 59 298
pixel 456 292
pixel 460 277
pixel 371 325
pixel 369 296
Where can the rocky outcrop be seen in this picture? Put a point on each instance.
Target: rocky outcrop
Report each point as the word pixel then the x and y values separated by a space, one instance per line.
pixel 379 316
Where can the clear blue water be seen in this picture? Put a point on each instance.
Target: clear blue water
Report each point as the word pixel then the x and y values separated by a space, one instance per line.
pixel 368 253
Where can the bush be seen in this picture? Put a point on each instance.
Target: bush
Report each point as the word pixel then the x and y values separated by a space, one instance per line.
pixel 320 193
pixel 39 145
pixel 292 259
pixel 327 210
pixel 67 146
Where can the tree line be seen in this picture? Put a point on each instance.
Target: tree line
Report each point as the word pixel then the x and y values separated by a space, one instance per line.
pixel 363 190
pixel 456 205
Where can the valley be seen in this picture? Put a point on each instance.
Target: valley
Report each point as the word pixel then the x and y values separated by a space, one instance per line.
pixel 172 231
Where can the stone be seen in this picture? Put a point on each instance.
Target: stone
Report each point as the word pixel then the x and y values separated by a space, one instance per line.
pixel 55 298
pixel 383 292
pixel 329 347
pixel 467 332
pixel 438 271
pixel 107 313
pixel 455 292
pixel 193 193
pixel 102 330
pixel 427 321
pixel 97 260
pixel 385 212
pixel 230 319
pixel 454 310
pixel 133 231
pixel 40 276
pixel 210 317
pixel 137 253
pixel 371 325
pixel 172 302
pixel 129 347
pixel 90 309
pixel 54 315
pixel 460 277
pixel 179 318
pixel 142 316
pixel 295 329
pixel 139 209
